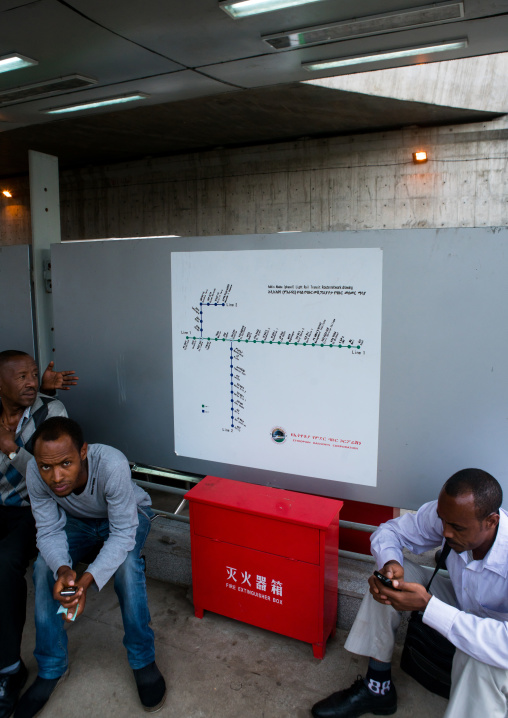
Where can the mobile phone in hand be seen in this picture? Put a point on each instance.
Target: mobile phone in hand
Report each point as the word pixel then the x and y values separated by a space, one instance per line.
pixel 68 591
pixel 385 581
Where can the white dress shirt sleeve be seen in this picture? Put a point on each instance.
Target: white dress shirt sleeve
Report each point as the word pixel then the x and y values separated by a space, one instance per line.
pixel 485 639
pixel 417 532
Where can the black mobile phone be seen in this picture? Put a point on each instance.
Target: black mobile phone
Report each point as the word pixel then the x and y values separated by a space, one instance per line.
pixel 385 581
pixel 68 591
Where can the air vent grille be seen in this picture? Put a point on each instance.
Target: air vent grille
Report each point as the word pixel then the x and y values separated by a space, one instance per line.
pixel 371 25
pixel 48 87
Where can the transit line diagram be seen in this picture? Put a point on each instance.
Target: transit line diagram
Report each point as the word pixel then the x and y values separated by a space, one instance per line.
pixel 276 359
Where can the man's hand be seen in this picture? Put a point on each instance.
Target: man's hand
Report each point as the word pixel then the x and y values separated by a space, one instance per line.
pixel 403 596
pixel 76 603
pixel 392 570
pixel 7 443
pixel 53 380
pixel 408 597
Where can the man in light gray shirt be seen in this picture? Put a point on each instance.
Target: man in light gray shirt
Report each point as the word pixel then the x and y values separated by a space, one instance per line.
pixel 83 498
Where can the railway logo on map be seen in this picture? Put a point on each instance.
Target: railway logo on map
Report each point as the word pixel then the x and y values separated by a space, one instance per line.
pixel 279 435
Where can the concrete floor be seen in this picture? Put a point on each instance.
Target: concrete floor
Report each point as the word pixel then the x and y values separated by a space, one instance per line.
pixel 215 667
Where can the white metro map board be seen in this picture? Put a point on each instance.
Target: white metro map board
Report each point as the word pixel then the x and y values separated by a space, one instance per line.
pixel 276 359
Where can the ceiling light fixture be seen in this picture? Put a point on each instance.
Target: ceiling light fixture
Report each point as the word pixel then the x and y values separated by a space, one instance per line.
pixel 419 157
pixel 368 25
pixel 243 8
pixel 6 193
pixel 119 99
pixel 387 55
pixel 15 62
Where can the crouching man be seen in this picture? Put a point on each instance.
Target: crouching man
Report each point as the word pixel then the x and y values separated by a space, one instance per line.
pixel 83 498
pixel 470 608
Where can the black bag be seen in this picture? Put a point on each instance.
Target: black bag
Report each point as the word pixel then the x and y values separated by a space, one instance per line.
pixel 427 655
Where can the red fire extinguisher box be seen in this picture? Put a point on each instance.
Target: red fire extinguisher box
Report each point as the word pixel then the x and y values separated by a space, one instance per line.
pixel 266 556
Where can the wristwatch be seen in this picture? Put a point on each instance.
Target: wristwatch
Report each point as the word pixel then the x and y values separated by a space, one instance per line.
pixel 13 454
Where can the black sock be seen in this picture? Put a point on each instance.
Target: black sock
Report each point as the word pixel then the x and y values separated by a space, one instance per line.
pixel 379 677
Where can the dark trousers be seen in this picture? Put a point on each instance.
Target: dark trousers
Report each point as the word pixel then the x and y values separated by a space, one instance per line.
pixel 17 547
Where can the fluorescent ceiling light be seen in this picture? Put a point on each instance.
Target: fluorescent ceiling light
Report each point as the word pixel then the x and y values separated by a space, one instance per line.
pixel 389 55
pixel 15 62
pixel 368 25
pixel 97 103
pixel 244 8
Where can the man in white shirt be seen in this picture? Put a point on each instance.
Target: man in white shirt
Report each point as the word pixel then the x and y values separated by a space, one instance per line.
pixel 470 608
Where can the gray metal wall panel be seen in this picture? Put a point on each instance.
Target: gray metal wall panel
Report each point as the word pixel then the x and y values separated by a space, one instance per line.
pixel 444 386
pixel 16 325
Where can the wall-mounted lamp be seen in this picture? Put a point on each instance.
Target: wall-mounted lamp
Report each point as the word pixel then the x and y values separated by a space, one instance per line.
pixel 419 157
pixel 6 193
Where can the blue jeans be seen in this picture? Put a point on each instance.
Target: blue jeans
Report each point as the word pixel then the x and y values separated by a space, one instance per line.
pixel 83 535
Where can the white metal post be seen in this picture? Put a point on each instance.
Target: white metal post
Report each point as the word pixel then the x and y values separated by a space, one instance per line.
pixel 45 215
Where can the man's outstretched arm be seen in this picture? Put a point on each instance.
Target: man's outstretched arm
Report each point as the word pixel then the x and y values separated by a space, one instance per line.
pixel 53 380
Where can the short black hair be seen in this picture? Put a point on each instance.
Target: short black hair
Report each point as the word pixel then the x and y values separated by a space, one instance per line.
pixel 57 426
pixel 487 493
pixel 10 354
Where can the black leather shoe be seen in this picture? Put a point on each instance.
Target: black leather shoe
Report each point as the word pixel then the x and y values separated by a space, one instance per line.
pixel 35 698
pixel 10 688
pixel 355 701
pixel 151 687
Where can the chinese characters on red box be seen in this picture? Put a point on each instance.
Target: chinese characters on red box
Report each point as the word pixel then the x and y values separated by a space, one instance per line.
pixel 245 584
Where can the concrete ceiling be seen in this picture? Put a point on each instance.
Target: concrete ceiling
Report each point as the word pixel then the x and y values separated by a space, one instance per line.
pixel 211 80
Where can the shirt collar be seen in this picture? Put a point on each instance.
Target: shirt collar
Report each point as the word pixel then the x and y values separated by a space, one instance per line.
pixel 496 559
pixel 24 418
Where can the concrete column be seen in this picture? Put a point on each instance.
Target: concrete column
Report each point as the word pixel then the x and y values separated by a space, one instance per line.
pixel 45 214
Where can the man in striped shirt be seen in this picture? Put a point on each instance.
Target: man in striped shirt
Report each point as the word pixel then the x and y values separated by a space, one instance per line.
pixel 22 410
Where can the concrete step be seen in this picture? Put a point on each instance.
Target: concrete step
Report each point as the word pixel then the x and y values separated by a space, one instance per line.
pixel 168 558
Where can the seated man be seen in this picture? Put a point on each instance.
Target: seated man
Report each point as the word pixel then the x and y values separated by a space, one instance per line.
pixel 470 608
pixel 22 409
pixel 82 498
